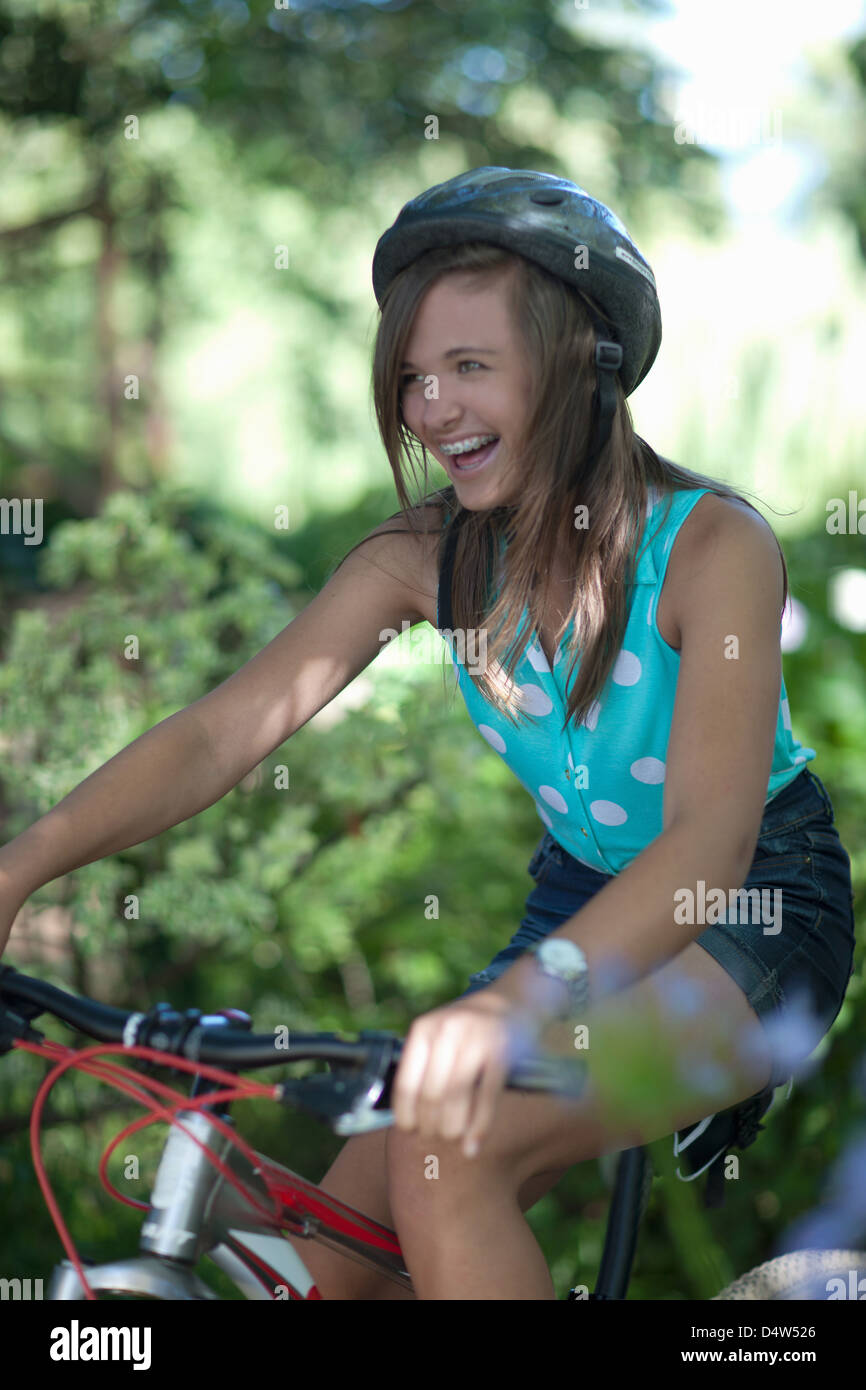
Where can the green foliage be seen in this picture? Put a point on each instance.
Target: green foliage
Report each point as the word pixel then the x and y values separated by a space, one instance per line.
pixel 241 363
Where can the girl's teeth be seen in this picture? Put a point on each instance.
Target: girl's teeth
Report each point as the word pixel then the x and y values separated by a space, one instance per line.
pixel 469 446
pixel 475 459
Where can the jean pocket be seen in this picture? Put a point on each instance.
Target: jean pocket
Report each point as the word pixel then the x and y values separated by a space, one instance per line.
pixel 826 837
pixel 780 849
pixel 832 867
pixel 808 806
pixel 792 834
pixel 787 863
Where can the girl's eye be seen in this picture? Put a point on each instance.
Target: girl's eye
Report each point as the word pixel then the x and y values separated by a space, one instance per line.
pixel 408 377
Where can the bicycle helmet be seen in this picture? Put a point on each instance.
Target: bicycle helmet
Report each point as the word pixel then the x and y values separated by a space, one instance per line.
pixel 547 219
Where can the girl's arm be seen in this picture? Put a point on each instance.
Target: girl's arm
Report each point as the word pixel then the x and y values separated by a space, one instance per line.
pixel 190 760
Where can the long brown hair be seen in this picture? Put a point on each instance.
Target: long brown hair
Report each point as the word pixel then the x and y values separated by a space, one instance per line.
pixel 559 343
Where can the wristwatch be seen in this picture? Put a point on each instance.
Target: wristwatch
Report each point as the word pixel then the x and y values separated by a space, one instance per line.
pixel 564 961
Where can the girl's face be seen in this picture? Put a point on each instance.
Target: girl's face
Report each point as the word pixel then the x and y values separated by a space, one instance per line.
pixel 464 339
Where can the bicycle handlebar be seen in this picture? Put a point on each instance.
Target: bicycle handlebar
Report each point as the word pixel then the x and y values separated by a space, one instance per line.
pixel 211 1040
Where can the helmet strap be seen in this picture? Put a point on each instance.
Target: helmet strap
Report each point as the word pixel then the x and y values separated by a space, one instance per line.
pixel 608 360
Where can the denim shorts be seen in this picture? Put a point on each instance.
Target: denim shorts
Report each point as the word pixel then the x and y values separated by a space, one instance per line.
pixel 794 962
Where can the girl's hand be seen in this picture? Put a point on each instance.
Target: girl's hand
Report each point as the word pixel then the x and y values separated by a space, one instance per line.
pixel 454 1065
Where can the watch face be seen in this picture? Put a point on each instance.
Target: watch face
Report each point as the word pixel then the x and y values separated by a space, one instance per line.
pixel 563 956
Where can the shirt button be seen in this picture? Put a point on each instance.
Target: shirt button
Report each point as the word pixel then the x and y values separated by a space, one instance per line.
pixel 582 831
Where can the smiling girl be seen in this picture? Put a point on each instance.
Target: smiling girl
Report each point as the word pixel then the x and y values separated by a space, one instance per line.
pixel 632 611
pixel 632 683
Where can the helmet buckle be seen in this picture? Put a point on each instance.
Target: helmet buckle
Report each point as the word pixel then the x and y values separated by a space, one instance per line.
pixel 608 356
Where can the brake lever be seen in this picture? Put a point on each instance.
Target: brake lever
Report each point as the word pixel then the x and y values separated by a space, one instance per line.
pixel 348 1102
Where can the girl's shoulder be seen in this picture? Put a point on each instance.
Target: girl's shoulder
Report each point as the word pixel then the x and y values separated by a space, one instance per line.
pixel 714 519
pixel 717 509
pixel 709 511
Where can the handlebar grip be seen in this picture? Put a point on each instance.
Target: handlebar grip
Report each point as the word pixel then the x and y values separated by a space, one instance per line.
pixel 561 1076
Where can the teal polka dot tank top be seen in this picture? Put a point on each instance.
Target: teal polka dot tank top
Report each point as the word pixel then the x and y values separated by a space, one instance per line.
pixel 598 787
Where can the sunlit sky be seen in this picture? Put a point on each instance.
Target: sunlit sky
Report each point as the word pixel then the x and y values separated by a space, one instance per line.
pixel 739 59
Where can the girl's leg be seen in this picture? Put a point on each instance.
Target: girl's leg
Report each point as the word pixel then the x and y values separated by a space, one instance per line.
pixel 358 1176
pixel 677 1039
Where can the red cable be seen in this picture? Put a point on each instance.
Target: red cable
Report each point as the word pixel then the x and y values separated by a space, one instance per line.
pixel 193 1104
pixel 238 1091
pixel 187 1103
pixel 126 1080
pixel 118 1077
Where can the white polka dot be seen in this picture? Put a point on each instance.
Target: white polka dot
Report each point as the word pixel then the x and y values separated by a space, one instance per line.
pixel 493 738
pixel 607 812
pixel 800 758
pixel 554 799
pixel 591 718
pixel 627 669
pixel 535 700
pixel 544 816
pixel 537 659
pixel 648 770
pixel 786 714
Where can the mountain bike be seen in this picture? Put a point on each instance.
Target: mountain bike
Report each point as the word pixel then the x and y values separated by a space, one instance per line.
pixel 215 1198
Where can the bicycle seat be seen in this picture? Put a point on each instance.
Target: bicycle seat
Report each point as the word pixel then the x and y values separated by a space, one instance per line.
pixel 705 1145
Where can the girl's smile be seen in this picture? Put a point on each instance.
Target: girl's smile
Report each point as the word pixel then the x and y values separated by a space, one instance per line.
pixel 461 466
